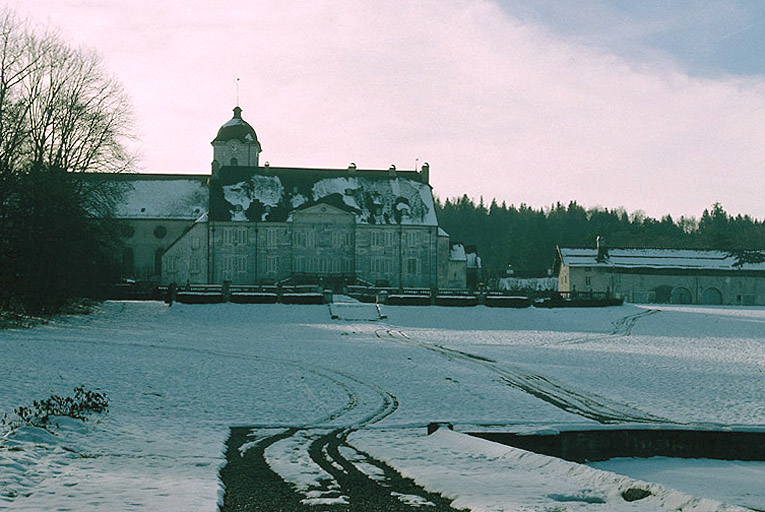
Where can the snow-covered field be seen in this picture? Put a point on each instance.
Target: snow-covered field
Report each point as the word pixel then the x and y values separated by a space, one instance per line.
pixel 178 378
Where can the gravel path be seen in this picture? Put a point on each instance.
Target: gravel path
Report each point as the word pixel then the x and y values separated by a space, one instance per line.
pixel 251 485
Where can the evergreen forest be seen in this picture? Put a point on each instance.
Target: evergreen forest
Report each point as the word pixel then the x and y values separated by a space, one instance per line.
pixel 526 238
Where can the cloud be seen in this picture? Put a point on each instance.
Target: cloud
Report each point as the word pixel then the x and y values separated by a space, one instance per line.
pixel 499 107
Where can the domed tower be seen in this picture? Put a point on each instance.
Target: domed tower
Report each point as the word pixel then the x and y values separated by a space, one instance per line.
pixel 236 144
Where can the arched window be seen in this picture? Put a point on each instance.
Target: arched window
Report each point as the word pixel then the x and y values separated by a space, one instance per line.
pixel 712 296
pixel 681 295
pixel 234 162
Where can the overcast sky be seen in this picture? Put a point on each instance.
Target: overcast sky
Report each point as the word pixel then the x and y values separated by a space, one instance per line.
pixel 648 105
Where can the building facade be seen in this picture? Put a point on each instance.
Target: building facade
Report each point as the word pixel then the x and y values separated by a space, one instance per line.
pixel 664 275
pixel 252 224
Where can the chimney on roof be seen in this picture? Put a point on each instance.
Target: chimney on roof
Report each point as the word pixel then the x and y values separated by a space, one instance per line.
pixel 600 245
pixel 425 173
pixel 392 171
pixel 352 167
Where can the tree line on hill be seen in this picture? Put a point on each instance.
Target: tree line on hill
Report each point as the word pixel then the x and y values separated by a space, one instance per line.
pixel 61 118
pixel 526 238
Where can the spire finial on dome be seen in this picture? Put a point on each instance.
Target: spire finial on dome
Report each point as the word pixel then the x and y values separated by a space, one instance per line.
pixel 237 112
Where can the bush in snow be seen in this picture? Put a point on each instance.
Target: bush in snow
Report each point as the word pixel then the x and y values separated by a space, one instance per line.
pixel 42 413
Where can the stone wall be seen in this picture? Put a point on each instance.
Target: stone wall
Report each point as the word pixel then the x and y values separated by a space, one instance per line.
pixel 185 261
pixel 679 286
pixel 145 240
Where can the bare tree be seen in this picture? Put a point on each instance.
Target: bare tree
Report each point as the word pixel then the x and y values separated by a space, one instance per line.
pixel 64 124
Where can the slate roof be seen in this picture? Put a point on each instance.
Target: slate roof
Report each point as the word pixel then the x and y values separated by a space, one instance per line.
pixel 162 196
pixel 270 194
pixel 686 259
pixel 236 129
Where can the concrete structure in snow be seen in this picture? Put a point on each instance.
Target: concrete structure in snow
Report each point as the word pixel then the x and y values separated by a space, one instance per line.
pixel 678 276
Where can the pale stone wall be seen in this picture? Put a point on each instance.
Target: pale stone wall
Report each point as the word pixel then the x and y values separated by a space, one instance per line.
pixel 457 275
pixel 274 251
pixel 185 261
pixel 232 252
pixel 731 288
pixel 443 251
pixel 145 240
pixel 320 240
pixel 401 256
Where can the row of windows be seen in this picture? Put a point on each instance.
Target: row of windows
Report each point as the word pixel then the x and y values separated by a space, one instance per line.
pixel 235 236
pixel 385 266
pixel 307 238
pixel 235 263
pixel 321 265
pixel 311 265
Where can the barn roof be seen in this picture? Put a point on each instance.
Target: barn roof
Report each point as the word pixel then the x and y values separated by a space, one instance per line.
pixel 664 259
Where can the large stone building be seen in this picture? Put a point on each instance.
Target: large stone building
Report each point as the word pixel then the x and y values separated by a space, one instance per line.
pixel 679 276
pixel 252 224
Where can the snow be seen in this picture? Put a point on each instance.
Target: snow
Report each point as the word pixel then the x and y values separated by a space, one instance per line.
pixel 532 283
pixel 656 258
pixel 289 458
pixel 388 198
pixel 478 474
pixel 179 377
pixel 159 197
pixel 267 189
pixel 457 253
pixel 743 480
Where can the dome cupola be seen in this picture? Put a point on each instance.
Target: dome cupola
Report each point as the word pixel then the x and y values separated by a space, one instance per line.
pixel 236 144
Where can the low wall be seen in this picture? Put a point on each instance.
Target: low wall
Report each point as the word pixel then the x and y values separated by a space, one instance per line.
pixel 594 445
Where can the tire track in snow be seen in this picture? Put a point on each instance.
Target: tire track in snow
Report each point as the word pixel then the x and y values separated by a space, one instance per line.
pixel 248 480
pixel 589 405
pixel 621 327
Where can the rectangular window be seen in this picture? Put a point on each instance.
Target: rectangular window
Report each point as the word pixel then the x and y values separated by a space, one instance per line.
pixel 272 265
pixel 234 236
pixel 172 263
pixel 336 265
pixel 300 238
pixel 378 238
pixel 341 239
pixel 196 265
pixel 310 238
pixel 411 238
pixel 412 266
pixel 299 264
pixel 271 237
pixel 195 242
pixel 588 280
